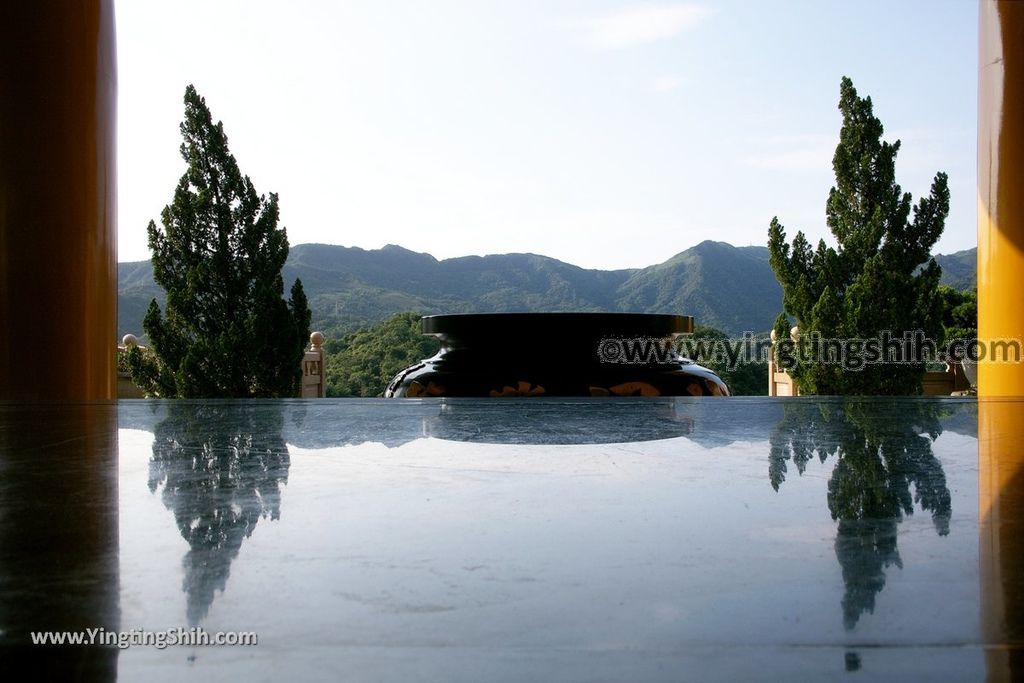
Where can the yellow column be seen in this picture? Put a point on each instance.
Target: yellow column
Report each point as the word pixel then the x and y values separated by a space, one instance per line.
pixel 1001 533
pixel 1001 316
pixel 1000 197
pixel 58 241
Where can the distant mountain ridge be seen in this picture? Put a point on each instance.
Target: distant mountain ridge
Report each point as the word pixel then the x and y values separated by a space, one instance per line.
pixel 731 288
pixel 959 269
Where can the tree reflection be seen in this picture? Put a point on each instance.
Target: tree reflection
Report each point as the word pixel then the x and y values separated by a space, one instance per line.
pixel 879 456
pixel 220 467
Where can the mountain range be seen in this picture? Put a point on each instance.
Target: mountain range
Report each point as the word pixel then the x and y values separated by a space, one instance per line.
pixel 731 288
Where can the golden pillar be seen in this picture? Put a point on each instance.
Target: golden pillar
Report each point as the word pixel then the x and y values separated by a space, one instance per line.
pixel 1001 535
pixel 58 289
pixel 1001 317
pixel 1000 198
pixel 58 210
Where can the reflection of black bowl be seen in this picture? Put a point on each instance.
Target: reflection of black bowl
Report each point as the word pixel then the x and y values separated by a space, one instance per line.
pixel 522 421
pixel 556 354
pixel 541 421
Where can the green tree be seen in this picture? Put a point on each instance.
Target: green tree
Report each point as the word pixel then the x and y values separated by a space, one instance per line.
pixel 959 314
pixel 362 363
pixel 744 378
pixel 879 278
pixel 227 330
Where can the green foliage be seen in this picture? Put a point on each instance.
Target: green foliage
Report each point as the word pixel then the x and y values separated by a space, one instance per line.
pixel 781 329
pixel 748 379
pixel 226 330
pixel 959 314
pixel 880 277
pixel 743 378
pixel 362 363
pixel 122 361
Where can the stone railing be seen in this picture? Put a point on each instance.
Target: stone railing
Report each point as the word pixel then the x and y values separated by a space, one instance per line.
pixel 314 379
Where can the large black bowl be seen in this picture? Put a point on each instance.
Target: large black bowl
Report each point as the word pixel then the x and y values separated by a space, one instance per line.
pixel 556 354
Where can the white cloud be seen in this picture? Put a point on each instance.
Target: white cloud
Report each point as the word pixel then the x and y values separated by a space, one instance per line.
pixel 643 24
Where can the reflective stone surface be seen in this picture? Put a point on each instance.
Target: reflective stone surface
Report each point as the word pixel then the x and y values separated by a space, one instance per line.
pixel 492 540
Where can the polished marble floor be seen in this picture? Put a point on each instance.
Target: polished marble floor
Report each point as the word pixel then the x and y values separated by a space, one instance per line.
pixel 493 540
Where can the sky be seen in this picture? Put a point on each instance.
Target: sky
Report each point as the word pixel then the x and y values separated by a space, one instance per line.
pixel 605 134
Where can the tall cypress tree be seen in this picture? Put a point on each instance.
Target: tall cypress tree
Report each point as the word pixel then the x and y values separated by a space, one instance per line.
pixel 879 278
pixel 227 331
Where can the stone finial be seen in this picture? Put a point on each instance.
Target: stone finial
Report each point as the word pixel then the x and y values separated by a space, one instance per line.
pixel 794 334
pixel 129 340
pixel 772 335
pixel 316 340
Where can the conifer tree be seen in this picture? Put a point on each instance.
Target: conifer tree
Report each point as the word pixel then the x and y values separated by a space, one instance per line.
pixel 880 278
pixel 226 331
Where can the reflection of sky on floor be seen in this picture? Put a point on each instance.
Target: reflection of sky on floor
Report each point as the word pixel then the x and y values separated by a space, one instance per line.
pixel 151 547
pixel 415 556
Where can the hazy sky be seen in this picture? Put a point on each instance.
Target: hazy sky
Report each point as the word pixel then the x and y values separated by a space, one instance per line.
pixel 606 134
